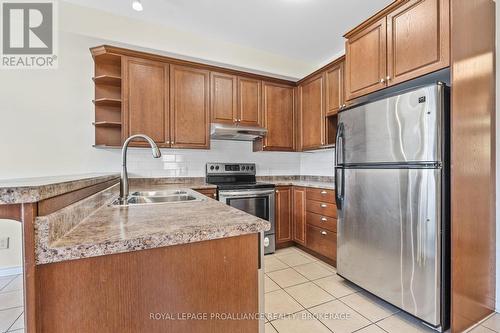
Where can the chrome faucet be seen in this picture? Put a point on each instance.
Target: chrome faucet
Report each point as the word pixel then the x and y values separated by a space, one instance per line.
pixel 124 175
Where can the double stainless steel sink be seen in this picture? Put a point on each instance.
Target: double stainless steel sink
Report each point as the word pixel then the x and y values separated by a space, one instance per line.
pixel 156 197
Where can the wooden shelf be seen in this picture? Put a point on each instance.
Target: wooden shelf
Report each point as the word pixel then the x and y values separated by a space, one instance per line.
pixel 107 124
pixel 108 102
pixel 108 80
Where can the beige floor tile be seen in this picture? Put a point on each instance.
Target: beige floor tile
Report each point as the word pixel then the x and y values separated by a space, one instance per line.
pixel 270 285
pixel 295 259
pixel 301 322
pixel 309 294
pixel 19 324
pixel 286 251
pixel 369 306
pixel 11 299
pixel 279 303
pixel 268 328
pixel 493 323
pixel 336 286
pixel 313 271
pixel 402 322
pixel 371 329
pixel 273 264
pixel 5 280
pixel 305 254
pixel 480 329
pixel 8 317
pixel 328 267
pixel 287 277
pixel 339 317
pixel 15 284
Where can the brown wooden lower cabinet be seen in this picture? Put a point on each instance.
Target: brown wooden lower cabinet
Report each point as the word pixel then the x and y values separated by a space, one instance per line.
pixel 299 215
pixel 151 290
pixel 283 214
pixel 209 192
pixel 322 241
pixel 306 222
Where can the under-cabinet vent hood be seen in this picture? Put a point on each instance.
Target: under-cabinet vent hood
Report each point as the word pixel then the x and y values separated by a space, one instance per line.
pixel 236 133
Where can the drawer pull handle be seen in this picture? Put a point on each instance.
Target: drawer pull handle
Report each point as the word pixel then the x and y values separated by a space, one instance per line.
pixel 324 233
pixel 324 219
pixel 323 192
pixel 324 205
pixel 214 195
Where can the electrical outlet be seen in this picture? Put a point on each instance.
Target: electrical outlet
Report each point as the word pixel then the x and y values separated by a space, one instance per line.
pixel 4 243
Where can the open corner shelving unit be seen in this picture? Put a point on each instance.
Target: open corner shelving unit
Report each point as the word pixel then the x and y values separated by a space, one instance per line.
pixel 331 129
pixel 108 98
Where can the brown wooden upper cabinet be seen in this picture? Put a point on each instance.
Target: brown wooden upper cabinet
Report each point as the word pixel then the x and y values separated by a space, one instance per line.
pixel 406 40
pixel 189 105
pixel 236 99
pixel 278 116
pixel 312 112
pixel 284 214
pixel 224 97
pixel 249 102
pixel 335 88
pixel 146 100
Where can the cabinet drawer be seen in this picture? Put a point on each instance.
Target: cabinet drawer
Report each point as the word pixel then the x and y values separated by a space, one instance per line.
pixel 320 194
pixel 211 193
pixel 322 208
pixel 322 241
pixel 322 221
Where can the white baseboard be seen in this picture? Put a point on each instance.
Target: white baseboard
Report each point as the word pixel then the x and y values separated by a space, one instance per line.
pixel 11 271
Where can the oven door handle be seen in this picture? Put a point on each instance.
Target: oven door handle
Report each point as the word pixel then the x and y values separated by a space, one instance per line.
pixel 245 193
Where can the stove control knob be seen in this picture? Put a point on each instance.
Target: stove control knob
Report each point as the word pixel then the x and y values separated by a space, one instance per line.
pixel 217 167
pixel 251 168
pixel 211 167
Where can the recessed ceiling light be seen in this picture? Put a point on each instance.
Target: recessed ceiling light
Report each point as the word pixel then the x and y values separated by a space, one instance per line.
pixel 137 5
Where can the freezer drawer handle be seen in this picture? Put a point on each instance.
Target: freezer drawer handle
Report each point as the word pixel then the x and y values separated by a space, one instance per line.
pixel 324 233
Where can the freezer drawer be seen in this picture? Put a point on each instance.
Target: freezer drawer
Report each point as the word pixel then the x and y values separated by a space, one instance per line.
pixel 389 242
pixel 400 129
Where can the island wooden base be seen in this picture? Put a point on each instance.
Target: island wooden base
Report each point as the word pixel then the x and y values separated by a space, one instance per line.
pixel 156 290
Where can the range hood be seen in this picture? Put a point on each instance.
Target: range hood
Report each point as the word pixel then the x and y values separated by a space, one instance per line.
pixel 236 133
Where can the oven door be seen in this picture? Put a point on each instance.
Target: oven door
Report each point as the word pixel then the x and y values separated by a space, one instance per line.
pixel 258 203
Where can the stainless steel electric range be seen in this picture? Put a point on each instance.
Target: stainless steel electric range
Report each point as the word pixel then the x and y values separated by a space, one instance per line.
pixel 238 188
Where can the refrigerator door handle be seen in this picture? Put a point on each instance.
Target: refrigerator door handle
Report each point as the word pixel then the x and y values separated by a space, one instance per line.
pixel 339 142
pixel 339 187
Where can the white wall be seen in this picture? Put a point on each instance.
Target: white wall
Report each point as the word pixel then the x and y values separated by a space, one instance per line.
pixel 318 163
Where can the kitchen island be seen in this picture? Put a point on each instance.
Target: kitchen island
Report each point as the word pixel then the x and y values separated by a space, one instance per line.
pixel 173 267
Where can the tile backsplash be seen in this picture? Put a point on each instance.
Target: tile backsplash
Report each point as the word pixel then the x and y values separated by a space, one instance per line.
pixel 191 163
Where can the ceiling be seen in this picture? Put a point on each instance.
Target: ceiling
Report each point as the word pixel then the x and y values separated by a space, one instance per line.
pixel 305 30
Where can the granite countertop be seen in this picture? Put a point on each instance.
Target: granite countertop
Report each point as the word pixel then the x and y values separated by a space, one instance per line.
pixel 27 190
pixel 305 183
pixel 111 229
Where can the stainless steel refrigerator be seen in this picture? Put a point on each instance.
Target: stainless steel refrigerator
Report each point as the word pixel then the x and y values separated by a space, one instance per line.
pixel 392 199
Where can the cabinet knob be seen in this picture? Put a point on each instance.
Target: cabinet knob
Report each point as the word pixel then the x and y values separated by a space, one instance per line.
pixel 324 205
pixel 168 142
pixel 388 78
pixel 324 233
pixel 324 219
pixel 214 195
pixel 277 191
pixel 323 192
pixel 235 120
pixel 382 80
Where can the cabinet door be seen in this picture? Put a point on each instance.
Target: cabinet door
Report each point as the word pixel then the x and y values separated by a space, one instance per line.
pixel 283 214
pixel 312 116
pixel 249 102
pixel 334 89
pixel 418 39
pixel 224 97
pixel 299 215
pixel 366 58
pixel 189 104
pixel 278 114
pixel 146 105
